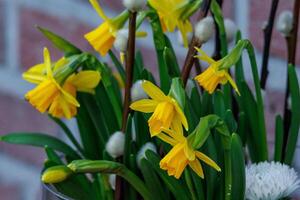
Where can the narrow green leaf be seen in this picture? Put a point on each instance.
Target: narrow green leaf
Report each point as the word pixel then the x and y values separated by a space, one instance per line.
pixel 117 64
pixel 177 92
pixel 278 138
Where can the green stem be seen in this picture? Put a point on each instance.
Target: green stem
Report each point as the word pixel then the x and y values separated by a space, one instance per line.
pixel 228 175
pixel 260 105
pixel 102 166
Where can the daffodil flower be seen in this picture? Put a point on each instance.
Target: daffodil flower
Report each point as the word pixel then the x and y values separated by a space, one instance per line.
pixel 182 154
pixel 170 12
pixel 166 111
pixel 215 74
pixel 103 37
pixel 59 99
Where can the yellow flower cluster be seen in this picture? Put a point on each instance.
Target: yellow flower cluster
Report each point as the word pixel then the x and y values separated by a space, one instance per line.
pixel 166 123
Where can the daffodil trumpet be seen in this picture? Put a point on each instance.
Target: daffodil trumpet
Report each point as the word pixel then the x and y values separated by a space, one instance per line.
pixel 166 111
pixel 57 85
pixel 103 37
pixel 182 155
pixel 217 72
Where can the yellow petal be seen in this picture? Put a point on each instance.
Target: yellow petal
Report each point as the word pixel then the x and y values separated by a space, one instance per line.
pixel 231 81
pixel 203 56
pixel 180 115
pixel 98 9
pixel 197 168
pixel 47 61
pixel 60 63
pixel 154 92
pixel 177 136
pixel 167 139
pixel 37 69
pixel 84 81
pixel 144 105
pixel 33 78
pixel 207 160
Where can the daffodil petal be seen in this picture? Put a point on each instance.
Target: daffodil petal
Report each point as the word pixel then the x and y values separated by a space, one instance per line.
pixel 197 168
pixel 37 69
pixel 144 105
pixel 85 80
pixel 153 91
pixel 47 61
pixel 207 160
pixel 231 81
pixel 203 56
pixel 167 139
pixel 98 9
pixel 181 116
pixel 33 78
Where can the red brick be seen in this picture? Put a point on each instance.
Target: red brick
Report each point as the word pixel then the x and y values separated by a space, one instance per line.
pixel 9 192
pixel 2 40
pixel 18 116
pixel 32 41
pixel 259 13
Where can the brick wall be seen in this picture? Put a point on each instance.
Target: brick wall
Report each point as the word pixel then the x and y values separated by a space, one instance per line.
pixel 21 47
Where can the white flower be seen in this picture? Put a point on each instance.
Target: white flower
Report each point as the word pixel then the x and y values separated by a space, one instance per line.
pixel 284 22
pixel 121 40
pixel 137 91
pixel 230 29
pixel 141 154
pixel 270 181
pixel 115 144
pixel 204 29
pixel 180 39
pixel 134 5
pixel 112 181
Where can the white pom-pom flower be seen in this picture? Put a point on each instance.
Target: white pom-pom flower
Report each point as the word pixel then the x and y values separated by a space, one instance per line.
pixel 284 22
pixel 121 40
pixel 204 29
pixel 270 181
pixel 230 29
pixel 137 91
pixel 115 144
pixel 134 5
pixel 112 181
pixel 142 152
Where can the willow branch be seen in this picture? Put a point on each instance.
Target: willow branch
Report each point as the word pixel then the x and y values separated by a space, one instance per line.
pixel 267 42
pixel 189 60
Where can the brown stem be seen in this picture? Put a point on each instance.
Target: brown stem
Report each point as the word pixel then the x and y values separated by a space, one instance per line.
pixel 189 59
pixel 292 45
pixel 267 42
pixel 129 77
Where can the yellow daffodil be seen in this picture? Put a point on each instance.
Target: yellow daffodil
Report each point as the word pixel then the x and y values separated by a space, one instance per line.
pixel 170 12
pixel 59 99
pixel 182 155
pixel 103 37
pixel 166 111
pixel 213 75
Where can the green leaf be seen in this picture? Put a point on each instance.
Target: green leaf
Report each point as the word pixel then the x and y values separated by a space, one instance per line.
pixel 242 127
pixel 117 64
pixel 40 140
pixel 230 121
pixel 52 156
pixel 177 92
pixel 60 43
pixel 238 168
pixel 278 138
pixel 295 119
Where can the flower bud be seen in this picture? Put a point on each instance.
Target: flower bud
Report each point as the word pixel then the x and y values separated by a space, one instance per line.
pixel 284 22
pixel 133 131
pixel 115 144
pixel 137 91
pixel 204 29
pixel 230 29
pixel 112 181
pixel 121 40
pixel 142 152
pixel 180 39
pixel 134 5
pixel 56 174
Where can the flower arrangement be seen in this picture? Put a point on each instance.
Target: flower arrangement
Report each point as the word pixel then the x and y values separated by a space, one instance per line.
pixel 188 137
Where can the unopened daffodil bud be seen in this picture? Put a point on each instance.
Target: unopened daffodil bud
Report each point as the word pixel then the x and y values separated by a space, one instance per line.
pixel 56 174
pixel 134 5
pixel 112 181
pixel 230 29
pixel 284 23
pixel 180 39
pixel 142 152
pixel 115 144
pixel 137 91
pixel 204 29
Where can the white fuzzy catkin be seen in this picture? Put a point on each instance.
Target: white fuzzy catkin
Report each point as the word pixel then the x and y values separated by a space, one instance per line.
pixel 121 40
pixel 134 5
pixel 137 91
pixel 204 29
pixel 180 39
pixel 142 152
pixel 284 22
pixel 270 181
pixel 112 181
pixel 115 144
pixel 230 29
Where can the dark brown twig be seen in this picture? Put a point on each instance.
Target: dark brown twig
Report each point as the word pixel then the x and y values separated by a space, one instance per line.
pixel 267 42
pixel 189 60
pixel 127 96
pixel 292 45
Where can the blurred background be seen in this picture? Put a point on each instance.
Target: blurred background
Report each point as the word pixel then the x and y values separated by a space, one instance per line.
pixel 21 47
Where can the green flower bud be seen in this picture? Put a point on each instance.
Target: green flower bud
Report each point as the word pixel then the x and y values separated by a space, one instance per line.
pixel 56 174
